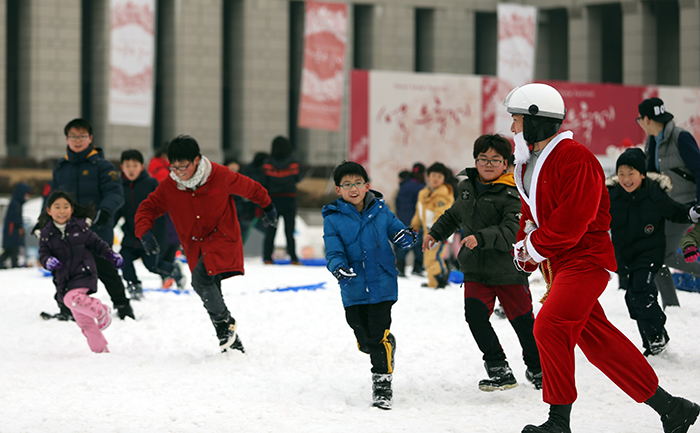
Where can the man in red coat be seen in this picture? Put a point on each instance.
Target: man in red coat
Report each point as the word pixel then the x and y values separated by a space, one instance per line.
pixel 564 230
pixel 197 195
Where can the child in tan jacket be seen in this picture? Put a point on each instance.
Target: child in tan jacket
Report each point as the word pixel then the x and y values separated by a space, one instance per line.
pixel 433 201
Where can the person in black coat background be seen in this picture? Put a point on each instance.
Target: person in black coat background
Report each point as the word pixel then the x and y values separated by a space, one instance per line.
pixel 13 230
pixel 639 206
pixel 281 171
pixel 93 181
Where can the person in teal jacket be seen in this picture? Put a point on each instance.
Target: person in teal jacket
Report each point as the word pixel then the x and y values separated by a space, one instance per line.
pixel 358 232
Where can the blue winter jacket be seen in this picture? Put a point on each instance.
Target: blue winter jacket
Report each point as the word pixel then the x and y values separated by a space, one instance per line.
pixel 13 230
pixel 406 199
pixel 92 181
pixel 362 241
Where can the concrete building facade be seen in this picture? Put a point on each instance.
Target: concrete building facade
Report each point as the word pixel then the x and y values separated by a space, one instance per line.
pixel 228 72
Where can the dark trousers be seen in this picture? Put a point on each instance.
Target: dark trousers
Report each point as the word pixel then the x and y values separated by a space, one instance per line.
pixel 371 323
pixel 516 301
pixel 208 287
pixel 643 306
pixel 11 253
pixel 287 209
pixel 154 263
pixel 107 273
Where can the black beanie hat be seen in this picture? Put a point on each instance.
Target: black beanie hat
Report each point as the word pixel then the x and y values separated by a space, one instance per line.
pixel 633 157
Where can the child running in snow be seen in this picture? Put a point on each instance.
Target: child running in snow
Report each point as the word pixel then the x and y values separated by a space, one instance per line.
pixel 358 230
pixel 487 210
pixel 433 201
pixel 639 206
pixel 65 248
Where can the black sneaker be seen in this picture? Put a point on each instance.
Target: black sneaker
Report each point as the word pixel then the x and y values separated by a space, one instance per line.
pixel 125 311
pixel 227 335
pixel 381 391
pixel 657 344
pixel 535 378
pixel 135 291
pixel 500 377
pixel 179 277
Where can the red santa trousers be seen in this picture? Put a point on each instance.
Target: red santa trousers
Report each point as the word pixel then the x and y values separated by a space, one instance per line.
pixel 572 315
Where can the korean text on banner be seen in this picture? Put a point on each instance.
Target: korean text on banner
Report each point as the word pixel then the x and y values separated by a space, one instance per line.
pixel 132 49
pixel 322 76
pixel 515 66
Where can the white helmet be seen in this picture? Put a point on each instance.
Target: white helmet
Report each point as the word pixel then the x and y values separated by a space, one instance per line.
pixel 536 99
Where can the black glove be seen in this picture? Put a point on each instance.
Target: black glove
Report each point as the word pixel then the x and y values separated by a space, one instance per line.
pixel 344 274
pixel 150 244
pixel 270 216
pixel 101 217
pixel 404 239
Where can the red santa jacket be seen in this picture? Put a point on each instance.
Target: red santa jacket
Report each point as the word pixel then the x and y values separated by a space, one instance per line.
pixel 205 219
pixel 569 204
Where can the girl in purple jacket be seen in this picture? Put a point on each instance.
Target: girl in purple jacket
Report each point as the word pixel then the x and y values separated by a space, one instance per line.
pixel 66 248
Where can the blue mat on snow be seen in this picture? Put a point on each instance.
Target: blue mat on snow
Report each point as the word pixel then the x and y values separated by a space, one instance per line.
pixel 305 262
pixel 311 287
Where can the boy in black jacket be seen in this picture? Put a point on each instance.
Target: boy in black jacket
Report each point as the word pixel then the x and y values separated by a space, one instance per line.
pixel 137 186
pixel 639 206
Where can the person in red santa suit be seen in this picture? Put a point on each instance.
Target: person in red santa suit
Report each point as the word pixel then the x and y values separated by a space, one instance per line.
pixel 564 230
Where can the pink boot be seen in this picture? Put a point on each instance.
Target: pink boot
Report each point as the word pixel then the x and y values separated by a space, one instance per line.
pixel 104 319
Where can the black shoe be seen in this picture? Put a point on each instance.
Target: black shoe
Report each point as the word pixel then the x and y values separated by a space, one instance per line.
pixel 402 274
pixel 64 317
pixel 125 311
pixel 178 276
pixel 657 344
pixel 558 422
pixel 417 272
pixel 677 413
pixel 500 377
pixel 381 391
pixel 227 335
pixel 135 291
pixel 441 281
pixel 535 378
pixel 498 311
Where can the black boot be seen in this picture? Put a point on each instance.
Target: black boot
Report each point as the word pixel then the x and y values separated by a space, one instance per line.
pixel 381 391
pixel 534 377
pixel 125 310
pixel 227 335
pixel 179 277
pixel 558 422
pixel 401 267
pixel 500 377
pixel 677 414
pixel 135 290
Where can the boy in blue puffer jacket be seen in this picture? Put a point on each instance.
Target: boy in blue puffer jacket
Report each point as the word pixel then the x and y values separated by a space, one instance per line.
pixel 358 230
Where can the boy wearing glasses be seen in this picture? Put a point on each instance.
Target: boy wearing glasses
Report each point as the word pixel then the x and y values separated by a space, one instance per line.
pixel 85 174
pixel 358 232
pixel 197 195
pixel 487 209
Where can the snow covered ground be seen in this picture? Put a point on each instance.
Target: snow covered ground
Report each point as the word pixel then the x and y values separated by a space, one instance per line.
pixel 302 371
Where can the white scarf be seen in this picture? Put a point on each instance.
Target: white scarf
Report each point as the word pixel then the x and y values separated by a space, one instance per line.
pixel 199 177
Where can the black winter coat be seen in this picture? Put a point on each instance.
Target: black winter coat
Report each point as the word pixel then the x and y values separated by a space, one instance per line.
pixel 493 217
pixel 13 229
pixel 74 251
pixel 638 221
pixel 92 181
pixel 134 193
pixel 281 176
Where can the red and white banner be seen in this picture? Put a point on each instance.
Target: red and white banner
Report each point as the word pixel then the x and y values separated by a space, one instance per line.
pixel 132 57
pixel 323 73
pixel 515 65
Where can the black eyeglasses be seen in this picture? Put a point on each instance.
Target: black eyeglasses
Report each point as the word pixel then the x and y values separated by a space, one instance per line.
pixel 180 169
pixel 494 162
pixel 358 185
pixel 639 118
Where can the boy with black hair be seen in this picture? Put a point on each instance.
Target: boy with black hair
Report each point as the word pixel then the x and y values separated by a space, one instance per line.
pixel 358 232
pixel 93 181
pixel 487 210
pixel 197 194
pixel 639 206
pixel 137 186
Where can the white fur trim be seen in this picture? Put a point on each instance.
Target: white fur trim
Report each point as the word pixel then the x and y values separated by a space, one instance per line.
pixel 537 257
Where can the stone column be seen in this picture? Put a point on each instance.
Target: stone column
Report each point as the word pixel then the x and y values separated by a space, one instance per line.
pixel 394 35
pixel 454 40
pixel 639 44
pixel 585 44
pixel 689 15
pixel 49 74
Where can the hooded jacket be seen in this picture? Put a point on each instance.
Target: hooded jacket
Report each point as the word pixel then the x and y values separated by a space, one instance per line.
pixel 74 251
pixel 638 221
pixel 492 216
pixel 13 229
pixel 431 204
pixel 92 181
pixel 281 176
pixel 361 241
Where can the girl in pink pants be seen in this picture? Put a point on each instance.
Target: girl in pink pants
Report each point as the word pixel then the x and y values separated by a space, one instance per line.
pixel 67 248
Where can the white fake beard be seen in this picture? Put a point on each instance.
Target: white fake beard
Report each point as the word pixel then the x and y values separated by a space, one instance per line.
pixel 522 151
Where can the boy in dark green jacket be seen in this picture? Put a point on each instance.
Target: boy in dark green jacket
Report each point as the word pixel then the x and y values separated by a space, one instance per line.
pixel 487 209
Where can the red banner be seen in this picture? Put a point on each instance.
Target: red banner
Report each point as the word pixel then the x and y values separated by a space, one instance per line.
pixel 359 116
pixel 322 76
